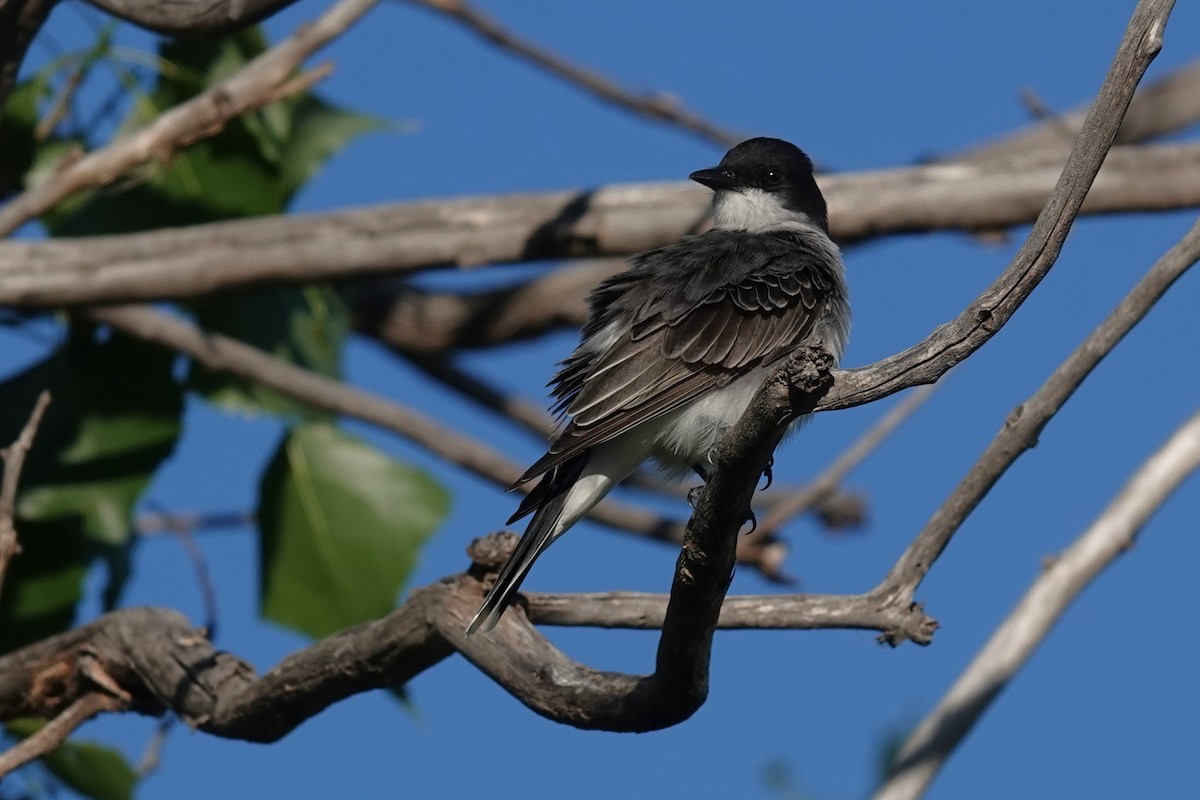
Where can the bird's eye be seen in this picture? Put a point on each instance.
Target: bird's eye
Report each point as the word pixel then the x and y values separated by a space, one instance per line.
pixel 772 177
pixel 727 173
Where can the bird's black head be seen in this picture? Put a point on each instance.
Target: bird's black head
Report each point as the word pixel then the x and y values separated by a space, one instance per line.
pixel 769 170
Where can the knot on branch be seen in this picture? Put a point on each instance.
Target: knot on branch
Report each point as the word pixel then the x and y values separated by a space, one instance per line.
pixel 807 375
pixel 911 624
pixel 488 553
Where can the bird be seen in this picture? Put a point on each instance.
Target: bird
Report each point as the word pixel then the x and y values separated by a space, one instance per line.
pixel 676 346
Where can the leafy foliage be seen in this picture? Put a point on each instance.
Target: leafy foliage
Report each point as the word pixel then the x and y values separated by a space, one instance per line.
pixel 114 419
pixel 307 326
pixel 341 523
pixel 253 167
pixel 340 526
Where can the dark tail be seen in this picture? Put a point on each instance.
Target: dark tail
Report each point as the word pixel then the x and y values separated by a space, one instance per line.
pixel 551 494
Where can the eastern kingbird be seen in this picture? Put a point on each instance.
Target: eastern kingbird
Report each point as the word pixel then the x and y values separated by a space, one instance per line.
pixel 676 346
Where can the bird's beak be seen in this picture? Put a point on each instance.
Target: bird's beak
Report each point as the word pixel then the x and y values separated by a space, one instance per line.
pixel 713 178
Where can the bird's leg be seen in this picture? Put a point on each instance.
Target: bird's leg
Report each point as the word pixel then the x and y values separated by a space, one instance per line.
pixel 694 493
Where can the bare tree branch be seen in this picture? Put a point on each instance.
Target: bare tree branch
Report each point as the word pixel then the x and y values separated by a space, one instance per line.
pixel 56 731
pixel 413 321
pixel 617 220
pixel 259 82
pixel 226 354
pixel 1025 423
pixel 662 108
pixel 158 663
pixel 1167 106
pixel 1113 533
pixel 796 503
pixel 14 459
pixel 922 363
pixel 229 355
pixel 208 17
pixel 954 341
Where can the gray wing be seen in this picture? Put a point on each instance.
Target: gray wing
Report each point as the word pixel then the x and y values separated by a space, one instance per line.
pixel 678 347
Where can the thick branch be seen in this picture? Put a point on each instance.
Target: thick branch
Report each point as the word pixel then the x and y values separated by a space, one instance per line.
pixel 161 663
pixel 417 321
pixel 617 220
pixel 158 663
pixel 1112 534
pixel 208 17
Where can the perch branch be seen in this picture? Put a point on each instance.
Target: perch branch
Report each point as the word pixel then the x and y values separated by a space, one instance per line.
pixel 158 663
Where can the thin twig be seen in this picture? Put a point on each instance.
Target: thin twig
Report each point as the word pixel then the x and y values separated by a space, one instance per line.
pixel 226 354
pixel 1023 631
pixel 151 758
pixel 1026 421
pixel 794 504
pixel 14 460
pixel 1158 109
pixel 657 106
pixel 956 340
pixel 153 524
pixel 251 87
pixel 178 525
pixel 529 416
pixel 56 731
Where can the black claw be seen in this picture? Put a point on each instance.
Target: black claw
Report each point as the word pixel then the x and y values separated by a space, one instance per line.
pixel 769 473
pixel 753 520
pixel 693 496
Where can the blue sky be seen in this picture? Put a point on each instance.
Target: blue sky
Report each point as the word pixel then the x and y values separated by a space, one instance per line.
pixel 1107 708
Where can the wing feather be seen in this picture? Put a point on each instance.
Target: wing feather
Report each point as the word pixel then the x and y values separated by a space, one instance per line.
pixel 684 340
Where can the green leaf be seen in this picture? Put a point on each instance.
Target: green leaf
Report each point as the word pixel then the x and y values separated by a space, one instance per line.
pixel 340 526
pixel 93 770
pixel 114 417
pixel 318 131
pixel 254 166
pixel 305 325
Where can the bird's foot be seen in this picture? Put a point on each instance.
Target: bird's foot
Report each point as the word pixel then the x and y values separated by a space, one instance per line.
pixel 693 496
pixel 769 473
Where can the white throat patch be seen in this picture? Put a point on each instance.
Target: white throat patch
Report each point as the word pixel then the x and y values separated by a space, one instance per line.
pixel 753 210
